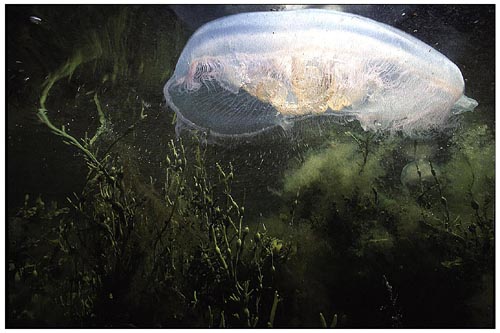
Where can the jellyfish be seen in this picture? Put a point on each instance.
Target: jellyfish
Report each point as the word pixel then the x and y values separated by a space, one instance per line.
pixel 244 74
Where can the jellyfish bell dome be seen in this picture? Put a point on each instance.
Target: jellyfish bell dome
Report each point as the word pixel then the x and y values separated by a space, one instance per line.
pixel 244 74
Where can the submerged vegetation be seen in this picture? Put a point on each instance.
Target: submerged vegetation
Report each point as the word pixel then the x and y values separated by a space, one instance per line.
pixel 367 230
pixel 114 257
pixel 121 255
pixel 436 236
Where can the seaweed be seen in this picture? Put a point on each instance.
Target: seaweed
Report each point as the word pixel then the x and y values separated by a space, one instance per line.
pixel 376 230
pixel 112 248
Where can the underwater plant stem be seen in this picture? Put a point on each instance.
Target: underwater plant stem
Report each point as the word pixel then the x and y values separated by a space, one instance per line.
pixel 233 266
pixel 364 146
pixel 322 320
pixel 270 323
pixel 473 176
pixel 218 251
pixel 365 154
pixel 42 115
pixel 222 323
pixel 102 120
pixel 444 202
pixel 67 70
pixel 454 235
pixel 421 183
pixel 160 234
pixel 333 324
pixel 294 207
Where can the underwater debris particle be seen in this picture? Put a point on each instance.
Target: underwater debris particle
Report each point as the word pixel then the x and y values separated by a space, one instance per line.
pixel 35 20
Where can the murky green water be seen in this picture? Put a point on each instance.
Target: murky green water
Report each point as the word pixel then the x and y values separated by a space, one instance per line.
pixel 373 230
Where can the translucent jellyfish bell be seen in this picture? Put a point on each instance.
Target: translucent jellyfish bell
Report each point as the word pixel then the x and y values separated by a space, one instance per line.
pixel 243 74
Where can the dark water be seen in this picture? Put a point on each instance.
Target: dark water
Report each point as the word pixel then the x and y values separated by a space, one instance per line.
pixel 126 55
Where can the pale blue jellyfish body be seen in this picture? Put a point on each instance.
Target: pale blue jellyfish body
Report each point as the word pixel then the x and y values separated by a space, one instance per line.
pixel 243 74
